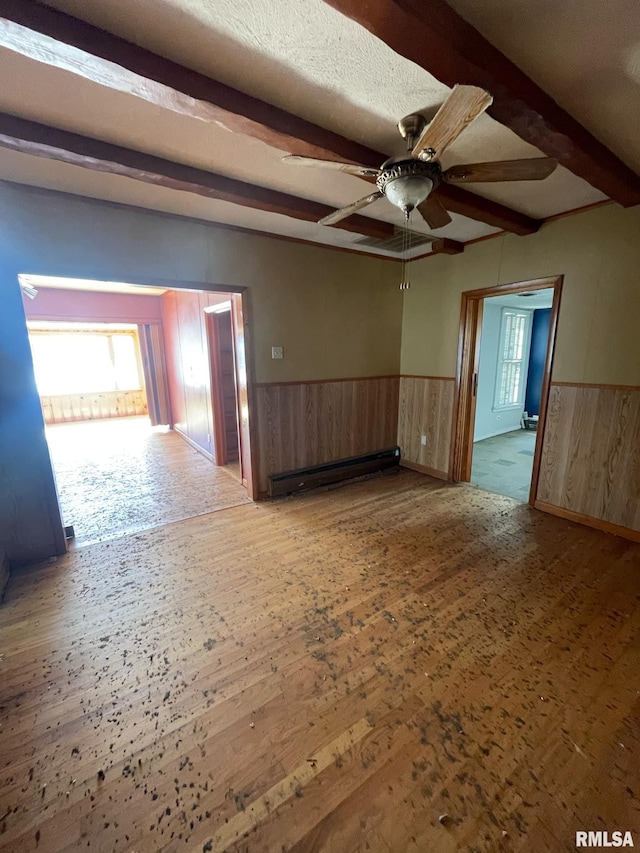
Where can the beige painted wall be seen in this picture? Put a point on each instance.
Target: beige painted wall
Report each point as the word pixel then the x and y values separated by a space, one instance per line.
pixel 336 314
pixel 598 252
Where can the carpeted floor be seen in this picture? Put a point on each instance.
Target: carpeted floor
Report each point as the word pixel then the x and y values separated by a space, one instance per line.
pixel 503 463
pixel 121 476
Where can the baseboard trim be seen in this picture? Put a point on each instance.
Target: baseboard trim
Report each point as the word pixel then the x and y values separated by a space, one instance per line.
pixel 335 471
pixel 589 521
pixel 194 444
pixel 423 469
pixel 424 376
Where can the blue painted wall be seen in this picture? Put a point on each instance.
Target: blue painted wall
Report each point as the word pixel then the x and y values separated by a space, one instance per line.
pixel 539 340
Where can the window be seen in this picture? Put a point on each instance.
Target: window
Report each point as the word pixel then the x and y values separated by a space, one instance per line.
pixel 85 360
pixel 512 352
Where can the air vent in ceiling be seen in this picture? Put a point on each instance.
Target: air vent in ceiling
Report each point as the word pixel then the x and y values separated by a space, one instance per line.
pixel 394 243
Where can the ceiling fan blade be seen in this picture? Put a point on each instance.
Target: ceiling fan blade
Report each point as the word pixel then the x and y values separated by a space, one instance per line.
pixel 535 169
pixel 434 212
pixel 339 215
pixel 349 168
pixel 464 104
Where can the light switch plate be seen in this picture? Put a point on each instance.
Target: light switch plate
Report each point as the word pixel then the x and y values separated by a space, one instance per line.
pixel 423 440
pixel 277 352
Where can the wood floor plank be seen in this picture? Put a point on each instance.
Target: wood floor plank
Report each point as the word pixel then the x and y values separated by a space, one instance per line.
pixel 328 672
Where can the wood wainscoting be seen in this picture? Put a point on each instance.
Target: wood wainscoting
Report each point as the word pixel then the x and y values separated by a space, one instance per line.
pixel 426 408
pixel 64 408
pixel 590 467
pixel 301 424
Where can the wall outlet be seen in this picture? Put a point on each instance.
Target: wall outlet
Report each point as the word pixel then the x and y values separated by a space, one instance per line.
pixel 277 352
pixel 423 440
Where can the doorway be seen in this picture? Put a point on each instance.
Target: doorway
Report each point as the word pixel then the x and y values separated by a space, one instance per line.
pixel 125 390
pixel 506 344
pixel 224 385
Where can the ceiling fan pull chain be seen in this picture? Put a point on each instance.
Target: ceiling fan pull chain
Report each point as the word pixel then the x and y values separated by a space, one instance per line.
pixel 405 284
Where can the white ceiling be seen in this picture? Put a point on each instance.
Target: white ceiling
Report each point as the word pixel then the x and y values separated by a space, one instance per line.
pixel 312 61
pixel 530 299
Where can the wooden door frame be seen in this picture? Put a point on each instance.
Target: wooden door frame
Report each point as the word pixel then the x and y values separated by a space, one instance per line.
pixel 213 349
pixel 245 389
pixel 243 357
pixel 467 374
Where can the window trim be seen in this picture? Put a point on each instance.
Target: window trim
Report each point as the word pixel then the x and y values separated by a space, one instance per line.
pixel 526 346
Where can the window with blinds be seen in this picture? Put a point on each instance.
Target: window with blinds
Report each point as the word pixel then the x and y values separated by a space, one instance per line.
pixel 511 373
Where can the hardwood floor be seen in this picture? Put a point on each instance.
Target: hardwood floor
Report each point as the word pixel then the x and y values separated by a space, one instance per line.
pixel 330 672
pixel 120 476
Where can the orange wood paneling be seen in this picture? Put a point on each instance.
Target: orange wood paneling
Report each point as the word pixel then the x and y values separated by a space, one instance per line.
pixel 174 360
pixel 426 408
pixel 195 368
pixel 591 454
pixel 306 424
pixel 189 371
pixel 62 408
pixel 188 365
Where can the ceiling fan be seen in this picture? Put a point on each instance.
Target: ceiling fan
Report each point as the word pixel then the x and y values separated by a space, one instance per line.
pixel 410 180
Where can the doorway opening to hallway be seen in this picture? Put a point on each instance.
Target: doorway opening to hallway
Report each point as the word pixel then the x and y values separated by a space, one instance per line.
pixel 506 349
pixel 145 401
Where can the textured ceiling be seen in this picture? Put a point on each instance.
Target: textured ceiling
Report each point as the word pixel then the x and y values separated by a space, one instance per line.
pixel 315 63
pixel 584 53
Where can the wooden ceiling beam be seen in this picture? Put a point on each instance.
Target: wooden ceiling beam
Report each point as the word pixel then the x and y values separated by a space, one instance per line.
pixel 30 137
pixel 179 89
pixel 432 35
pixel 445 246
pixel 494 214
pixel 174 87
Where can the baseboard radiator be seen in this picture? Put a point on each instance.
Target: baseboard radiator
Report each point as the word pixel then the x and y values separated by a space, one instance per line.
pixel 332 472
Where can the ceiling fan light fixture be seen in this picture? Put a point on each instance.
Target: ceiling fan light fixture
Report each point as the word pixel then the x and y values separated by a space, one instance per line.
pixel 407 183
pixel 408 192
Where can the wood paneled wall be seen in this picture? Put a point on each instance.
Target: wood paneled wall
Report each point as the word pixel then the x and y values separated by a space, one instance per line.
pixel 227 381
pixel 62 408
pixel 591 455
pixel 309 423
pixel 426 408
pixel 188 365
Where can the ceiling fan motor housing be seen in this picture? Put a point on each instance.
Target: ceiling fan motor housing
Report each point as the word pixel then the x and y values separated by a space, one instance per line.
pixel 407 183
